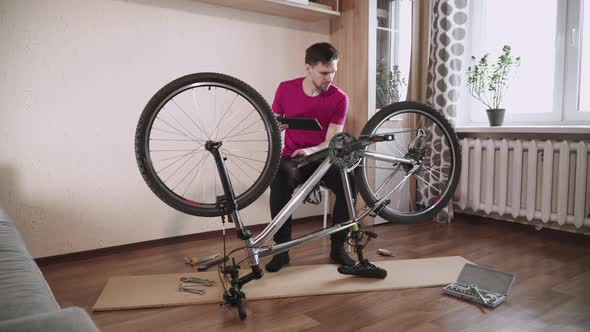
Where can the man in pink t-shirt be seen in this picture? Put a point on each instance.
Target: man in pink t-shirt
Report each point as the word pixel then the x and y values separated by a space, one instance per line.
pixel 312 96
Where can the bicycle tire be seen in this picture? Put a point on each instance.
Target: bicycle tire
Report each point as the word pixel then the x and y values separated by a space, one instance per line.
pixel 363 183
pixel 157 102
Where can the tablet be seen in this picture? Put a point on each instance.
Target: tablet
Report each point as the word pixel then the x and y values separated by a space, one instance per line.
pixel 300 123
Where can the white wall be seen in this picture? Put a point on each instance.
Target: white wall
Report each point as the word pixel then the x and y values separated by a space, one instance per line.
pixel 74 77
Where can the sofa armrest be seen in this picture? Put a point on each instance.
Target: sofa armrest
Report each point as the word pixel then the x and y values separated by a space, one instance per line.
pixel 70 319
pixel 23 289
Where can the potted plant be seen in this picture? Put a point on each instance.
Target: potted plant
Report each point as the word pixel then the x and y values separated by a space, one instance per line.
pixel 388 84
pixel 488 83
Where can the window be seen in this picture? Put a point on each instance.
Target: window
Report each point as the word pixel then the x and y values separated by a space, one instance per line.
pixel 549 36
pixel 585 63
pixel 394 44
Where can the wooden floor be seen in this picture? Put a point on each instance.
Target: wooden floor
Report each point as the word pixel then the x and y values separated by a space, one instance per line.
pixel 551 293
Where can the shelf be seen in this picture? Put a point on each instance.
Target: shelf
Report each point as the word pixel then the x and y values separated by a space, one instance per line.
pixel 279 8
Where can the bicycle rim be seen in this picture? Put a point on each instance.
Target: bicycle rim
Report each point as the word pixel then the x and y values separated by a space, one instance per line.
pixel 191 111
pixel 420 134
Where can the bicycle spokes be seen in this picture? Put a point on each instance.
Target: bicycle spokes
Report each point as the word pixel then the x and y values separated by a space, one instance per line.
pixel 421 162
pixel 190 111
pixel 178 135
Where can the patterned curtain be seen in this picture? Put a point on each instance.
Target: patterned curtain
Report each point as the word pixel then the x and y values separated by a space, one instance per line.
pixel 446 56
pixel 448 20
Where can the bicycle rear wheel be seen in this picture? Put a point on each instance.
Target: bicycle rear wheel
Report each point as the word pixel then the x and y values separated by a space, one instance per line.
pixel 420 134
pixel 185 114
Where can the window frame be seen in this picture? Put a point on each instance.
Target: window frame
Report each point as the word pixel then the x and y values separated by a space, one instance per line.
pixel 567 70
pixel 573 64
pixel 395 41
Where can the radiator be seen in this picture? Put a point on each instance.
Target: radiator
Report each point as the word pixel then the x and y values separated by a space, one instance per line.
pixel 526 180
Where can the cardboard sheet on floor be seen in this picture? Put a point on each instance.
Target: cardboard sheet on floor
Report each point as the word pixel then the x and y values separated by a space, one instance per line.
pixel 146 291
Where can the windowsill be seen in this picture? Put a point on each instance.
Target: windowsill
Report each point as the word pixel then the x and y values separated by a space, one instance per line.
pixel 525 129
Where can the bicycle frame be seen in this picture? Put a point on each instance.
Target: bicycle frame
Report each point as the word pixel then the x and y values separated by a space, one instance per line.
pixel 254 245
pixel 290 207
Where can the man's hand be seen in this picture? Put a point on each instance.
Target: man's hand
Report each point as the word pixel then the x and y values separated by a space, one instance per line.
pixel 333 129
pixel 282 126
pixel 301 152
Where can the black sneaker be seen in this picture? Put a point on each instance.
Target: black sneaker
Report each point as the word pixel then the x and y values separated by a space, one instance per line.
pixel 277 262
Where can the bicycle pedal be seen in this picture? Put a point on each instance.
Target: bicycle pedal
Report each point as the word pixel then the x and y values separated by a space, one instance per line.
pixel 379 208
pixel 364 270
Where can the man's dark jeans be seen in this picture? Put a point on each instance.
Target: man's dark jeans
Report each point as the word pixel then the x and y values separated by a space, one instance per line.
pixel 288 178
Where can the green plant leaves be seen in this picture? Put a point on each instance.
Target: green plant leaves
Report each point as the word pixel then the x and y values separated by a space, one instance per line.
pixel 488 82
pixel 388 85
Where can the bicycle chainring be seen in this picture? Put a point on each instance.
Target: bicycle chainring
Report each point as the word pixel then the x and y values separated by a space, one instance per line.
pixel 338 156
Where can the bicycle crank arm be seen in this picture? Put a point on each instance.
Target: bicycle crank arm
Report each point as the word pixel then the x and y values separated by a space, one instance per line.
pixel 359 144
pixel 364 141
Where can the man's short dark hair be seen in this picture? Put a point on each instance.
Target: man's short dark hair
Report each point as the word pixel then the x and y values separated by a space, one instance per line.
pixel 320 52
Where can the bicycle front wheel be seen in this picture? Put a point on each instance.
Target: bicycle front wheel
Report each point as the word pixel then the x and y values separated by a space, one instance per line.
pixel 185 114
pixel 424 136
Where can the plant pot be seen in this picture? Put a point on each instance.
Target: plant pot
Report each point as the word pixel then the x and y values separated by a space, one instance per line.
pixel 496 116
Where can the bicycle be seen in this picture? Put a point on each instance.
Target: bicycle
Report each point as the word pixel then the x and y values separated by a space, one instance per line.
pixel 173 148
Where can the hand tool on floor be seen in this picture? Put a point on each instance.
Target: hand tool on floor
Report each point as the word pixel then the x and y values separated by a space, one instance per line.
pixel 190 289
pixel 384 252
pixel 190 284
pixel 197 260
pixel 205 266
pixel 197 281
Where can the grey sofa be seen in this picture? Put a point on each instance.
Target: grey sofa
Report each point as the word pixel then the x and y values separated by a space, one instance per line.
pixel 26 301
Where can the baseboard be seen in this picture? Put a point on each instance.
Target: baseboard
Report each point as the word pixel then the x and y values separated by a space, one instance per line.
pixel 537 224
pixel 88 254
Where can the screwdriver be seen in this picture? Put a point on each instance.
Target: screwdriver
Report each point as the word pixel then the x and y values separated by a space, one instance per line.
pixel 197 260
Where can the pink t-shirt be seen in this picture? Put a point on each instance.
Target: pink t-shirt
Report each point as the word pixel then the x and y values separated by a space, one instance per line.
pixel 327 107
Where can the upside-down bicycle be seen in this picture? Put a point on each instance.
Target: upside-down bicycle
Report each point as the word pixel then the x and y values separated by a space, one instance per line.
pixel 207 144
